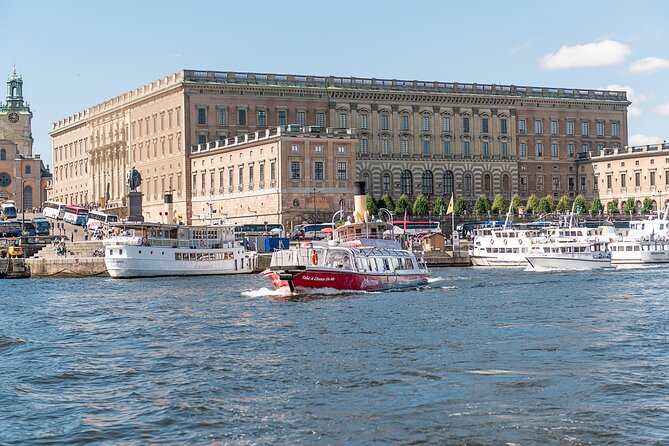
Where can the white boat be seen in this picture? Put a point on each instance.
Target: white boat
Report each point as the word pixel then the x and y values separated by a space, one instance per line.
pixel 501 247
pixel 360 257
pixel 574 254
pixel 646 242
pixel 154 249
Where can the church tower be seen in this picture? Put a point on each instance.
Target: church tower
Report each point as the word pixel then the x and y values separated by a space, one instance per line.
pixel 16 117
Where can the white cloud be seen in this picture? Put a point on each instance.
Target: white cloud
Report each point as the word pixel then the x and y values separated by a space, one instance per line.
pixel 634 112
pixel 643 140
pixel 631 95
pixel 649 65
pixel 662 109
pixel 596 54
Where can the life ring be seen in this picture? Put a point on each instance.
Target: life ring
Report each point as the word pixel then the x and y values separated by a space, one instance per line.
pixel 145 241
pixel 314 257
pixel 201 243
pixel 506 241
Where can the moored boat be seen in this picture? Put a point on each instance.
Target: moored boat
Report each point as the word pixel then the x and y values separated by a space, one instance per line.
pixel 646 242
pixel 155 249
pixel 358 258
pixel 575 254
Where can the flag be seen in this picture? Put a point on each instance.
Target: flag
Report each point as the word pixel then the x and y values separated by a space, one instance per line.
pixel 450 206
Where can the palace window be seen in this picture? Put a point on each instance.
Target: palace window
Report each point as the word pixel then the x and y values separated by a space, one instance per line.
pixel 341 170
pixel 404 123
pixel 555 153
pixel 320 119
pixel 201 116
pixel 319 172
pixel 281 117
pixel 343 121
pixel 447 148
pixel 222 116
pixel 301 118
pixel 503 125
pixel 465 125
pixel 294 170
pixel 385 146
pixel 386 181
pixel 446 123
pixel 538 127
pixel 426 123
pixel 241 117
pixel 484 125
pixel 406 182
pixel 384 122
pixel 363 121
pixel 262 118
pixel 522 149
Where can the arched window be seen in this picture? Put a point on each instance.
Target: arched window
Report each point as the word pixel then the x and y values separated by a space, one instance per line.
pixel 428 183
pixel 506 186
pixel 28 169
pixel 487 183
pixel 468 185
pixel 448 183
pixel 28 197
pixel 3 154
pixel 365 179
pixel 407 182
pixel 386 182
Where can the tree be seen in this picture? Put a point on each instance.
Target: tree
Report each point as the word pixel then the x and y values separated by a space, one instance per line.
pixel 515 203
pixel 546 205
pixel 402 206
pixel 498 204
pixel 532 203
pixel 647 206
pixel 482 205
pixel 389 203
pixel 564 204
pixel 372 208
pixel 439 207
pixel 629 206
pixel 612 207
pixel 596 206
pixel 579 204
pixel 460 206
pixel 420 205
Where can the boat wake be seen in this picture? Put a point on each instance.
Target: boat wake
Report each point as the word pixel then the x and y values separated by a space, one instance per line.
pixel 435 279
pixel 266 292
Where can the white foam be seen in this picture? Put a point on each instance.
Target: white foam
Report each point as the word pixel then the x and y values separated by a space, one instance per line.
pixel 435 279
pixel 266 292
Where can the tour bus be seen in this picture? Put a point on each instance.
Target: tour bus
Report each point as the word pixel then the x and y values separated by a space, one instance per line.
pixel 10 229
pixel 54 209
pixel 8 210
pixel 97 220
pixel 259 229
pixel 75 215
pixel 42 226
pixel 418 227
pixel 317 231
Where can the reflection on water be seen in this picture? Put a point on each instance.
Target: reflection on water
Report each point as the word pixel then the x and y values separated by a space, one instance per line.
pixel 487 356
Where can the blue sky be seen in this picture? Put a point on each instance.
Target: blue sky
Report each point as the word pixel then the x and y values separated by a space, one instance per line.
pixel 74 54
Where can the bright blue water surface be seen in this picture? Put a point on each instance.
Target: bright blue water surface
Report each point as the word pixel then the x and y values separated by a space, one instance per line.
pixel 485 356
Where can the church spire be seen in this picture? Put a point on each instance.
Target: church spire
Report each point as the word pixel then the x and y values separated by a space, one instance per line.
pixel 15 92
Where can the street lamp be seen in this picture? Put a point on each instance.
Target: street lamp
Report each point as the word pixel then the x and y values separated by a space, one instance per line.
pixel 315 205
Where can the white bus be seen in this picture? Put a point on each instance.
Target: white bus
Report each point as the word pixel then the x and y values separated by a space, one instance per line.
pixel 97 220
pixel 54 209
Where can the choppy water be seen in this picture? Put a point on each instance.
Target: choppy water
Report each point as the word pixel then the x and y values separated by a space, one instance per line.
pixel 484 356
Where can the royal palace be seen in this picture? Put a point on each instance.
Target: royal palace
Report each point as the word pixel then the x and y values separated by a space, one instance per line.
pixel 283 148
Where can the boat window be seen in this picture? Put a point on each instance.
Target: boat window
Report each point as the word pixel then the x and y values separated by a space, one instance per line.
pixel 386 264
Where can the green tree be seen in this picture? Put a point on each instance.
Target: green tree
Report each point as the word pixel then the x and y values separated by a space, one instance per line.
pixel 439 206
pixel 498 204
pixel 564 204
pixel 388 202
pixel 532 203
pixel 515 203
pixel 596 206
pixel 647 206
pixel 629 206
pixel 372 208
pixel 420 205
pixel 482 205
pixel 402 206
pixel 460 206
pixel 579 204
pixel 546 205
pixel 612 207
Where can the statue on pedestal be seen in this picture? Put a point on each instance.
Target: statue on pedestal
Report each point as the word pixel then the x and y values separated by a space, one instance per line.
pixel 134 179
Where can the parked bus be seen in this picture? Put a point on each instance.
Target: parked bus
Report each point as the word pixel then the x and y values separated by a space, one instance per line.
pixel 97 220
pixel 8 210
pixel 317 231
pixel 54 209
pixel 75 215
pixel 42 225
pixel 259 229
pixel 10 229
pixel 418 227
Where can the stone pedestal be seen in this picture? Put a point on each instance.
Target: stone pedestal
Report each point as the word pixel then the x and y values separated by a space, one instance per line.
pixel 135 206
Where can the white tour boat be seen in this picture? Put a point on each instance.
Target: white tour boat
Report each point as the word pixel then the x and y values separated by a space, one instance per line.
pixel 362 256
pixel 573 254
pixel 155 249
pixel 646 242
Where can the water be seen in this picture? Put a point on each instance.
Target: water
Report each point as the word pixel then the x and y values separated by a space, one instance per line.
pixel 484 356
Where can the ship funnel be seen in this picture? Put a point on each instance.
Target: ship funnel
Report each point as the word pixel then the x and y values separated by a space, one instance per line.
pixel 168 208
pixel 360 201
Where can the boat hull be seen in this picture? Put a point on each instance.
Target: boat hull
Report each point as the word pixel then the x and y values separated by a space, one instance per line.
pixel 125 261
pixel 553 262
pixel 310 279
pixel 497 261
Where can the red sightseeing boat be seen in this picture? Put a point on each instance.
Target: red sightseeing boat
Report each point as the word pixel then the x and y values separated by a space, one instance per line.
pixel 362 256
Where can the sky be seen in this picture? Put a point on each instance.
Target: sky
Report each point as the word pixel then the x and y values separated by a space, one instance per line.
pixel 74 54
